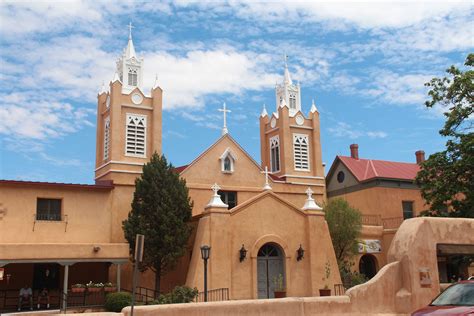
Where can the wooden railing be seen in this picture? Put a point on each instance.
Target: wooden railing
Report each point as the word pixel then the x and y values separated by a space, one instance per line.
pixel 215 295
pixel 371 220
pixel 392 222
pixel 339 289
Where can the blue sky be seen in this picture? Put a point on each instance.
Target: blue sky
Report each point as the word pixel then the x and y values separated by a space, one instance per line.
pixel 364 63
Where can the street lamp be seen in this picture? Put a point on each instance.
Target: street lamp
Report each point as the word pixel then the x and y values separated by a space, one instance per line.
pixel 205 253
pixel 243 253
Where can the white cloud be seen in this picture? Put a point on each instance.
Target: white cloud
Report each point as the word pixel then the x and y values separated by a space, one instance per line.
pixel 345 130
pixel 187 79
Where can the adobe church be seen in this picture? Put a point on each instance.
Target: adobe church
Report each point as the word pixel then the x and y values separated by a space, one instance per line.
pixel 269 209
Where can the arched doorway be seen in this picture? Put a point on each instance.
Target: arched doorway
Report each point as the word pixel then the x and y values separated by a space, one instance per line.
pixel 269 266
pixel 368 266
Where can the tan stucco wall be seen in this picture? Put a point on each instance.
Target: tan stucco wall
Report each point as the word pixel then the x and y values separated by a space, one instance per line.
pixel 265 218
pixel 86 211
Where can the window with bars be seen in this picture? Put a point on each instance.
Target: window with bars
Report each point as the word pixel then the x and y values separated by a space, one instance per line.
pixel 132 77
pixel 292 101
pixel 301 151
pixel 275 154
pixel 106 138
pixel 48 209
pixel 135 135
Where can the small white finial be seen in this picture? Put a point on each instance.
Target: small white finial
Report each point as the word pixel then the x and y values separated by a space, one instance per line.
pixel 116 78
pixel 310 204
pixel 313 107
pixel 264 111
pixel 102 89
pixel 225 111
pixel 216 199
pixel 267 185
pixel 155 85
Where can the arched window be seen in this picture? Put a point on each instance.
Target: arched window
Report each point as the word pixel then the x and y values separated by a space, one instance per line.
pixel 301 151
pixel 292 101
pixel 132 77
pixel 275 154
pixel 106 138
pixel 368 266
pixel 227 161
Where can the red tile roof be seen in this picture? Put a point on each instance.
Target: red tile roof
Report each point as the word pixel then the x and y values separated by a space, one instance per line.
pixel 365 169
pixel 180 168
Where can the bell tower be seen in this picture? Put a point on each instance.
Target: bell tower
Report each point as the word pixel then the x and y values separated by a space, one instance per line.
pixel 128 121
pixel 290 143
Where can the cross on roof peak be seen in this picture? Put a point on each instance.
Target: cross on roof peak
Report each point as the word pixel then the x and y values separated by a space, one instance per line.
pixel 130 26
pixel 225 111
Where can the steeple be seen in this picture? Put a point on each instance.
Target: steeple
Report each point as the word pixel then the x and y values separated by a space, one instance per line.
pixel 130 67
pixel 287 93
pixel 130 50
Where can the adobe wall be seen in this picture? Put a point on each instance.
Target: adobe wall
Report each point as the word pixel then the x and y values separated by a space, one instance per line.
pixel 395 290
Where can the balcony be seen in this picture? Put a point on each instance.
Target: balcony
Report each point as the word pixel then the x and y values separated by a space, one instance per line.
pixel 371 220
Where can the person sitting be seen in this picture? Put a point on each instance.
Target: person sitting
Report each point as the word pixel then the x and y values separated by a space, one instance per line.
pixel 25 295
pixel 43 295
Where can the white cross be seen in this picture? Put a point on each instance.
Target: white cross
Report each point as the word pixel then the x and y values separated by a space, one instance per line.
pixel 309 192
pixel 130 30
pixel 267 185
pixel 225 111
pixel 215 187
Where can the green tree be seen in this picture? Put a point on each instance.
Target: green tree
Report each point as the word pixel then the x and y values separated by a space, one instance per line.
pixel 161 210
pixel 345 224
pixel 446 178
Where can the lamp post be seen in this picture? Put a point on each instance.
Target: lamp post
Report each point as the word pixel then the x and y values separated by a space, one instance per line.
pixel 205 253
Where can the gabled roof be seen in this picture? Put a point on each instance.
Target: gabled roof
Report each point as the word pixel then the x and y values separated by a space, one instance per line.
pixel 367 169
pixel 100 185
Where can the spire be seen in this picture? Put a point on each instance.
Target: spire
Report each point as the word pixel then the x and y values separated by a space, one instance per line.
pixel 103 89
pixel 313 107
pixel 225 111
pixel 116 78
pixel 264 111
pixel 130 50
pixel 287 79
pixel 310 204
pixel 155 85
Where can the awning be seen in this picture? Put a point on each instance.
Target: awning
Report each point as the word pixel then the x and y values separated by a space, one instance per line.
pixel 449 249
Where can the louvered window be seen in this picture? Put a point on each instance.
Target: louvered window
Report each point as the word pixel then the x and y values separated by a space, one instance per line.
pixel 106 138
pixel 136 135
pixel 275 154
pixel 132 77
pixel 292 101
pixel 301 151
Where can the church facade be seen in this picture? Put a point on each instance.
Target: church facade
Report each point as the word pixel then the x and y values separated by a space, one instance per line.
pixel 269 209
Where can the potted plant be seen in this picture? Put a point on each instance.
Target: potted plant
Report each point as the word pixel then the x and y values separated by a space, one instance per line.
pixel 78 288
pixel 279 289
pixel 109 287
pixel 94 287
pixel 326 291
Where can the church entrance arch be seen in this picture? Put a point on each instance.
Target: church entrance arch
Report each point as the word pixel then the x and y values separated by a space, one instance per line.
pixel 368 266
pixel 270 264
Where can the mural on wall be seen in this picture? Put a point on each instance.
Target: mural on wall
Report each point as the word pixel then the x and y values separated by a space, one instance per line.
pixel 370 246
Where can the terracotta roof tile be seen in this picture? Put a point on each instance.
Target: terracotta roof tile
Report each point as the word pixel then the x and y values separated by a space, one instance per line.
pixel 365 169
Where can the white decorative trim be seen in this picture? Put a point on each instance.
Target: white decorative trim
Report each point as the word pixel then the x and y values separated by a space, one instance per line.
pixel 135 142
pixel 305 183
pixel 272 130
pixel 302 127
pixel 227 154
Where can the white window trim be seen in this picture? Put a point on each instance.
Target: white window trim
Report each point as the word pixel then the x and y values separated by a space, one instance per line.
pixel 127 116
pixel 277 139
pixel 232 157
pixel 295 136
pixel 106 138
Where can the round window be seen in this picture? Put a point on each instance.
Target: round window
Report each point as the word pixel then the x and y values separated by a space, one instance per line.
pixel 340 176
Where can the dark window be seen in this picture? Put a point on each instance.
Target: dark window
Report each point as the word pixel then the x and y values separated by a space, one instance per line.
pixel 229 198
pixel 227 166
pixel 48 210
pixel 340 176
pixel 407 209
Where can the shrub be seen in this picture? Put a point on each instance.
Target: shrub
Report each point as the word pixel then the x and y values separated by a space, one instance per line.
pixel 115 302
pixel 180 294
